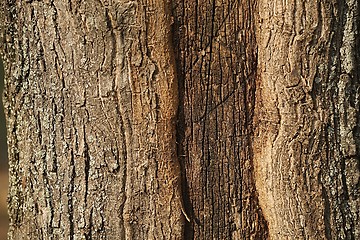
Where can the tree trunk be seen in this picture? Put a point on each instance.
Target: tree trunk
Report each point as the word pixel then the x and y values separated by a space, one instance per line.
pixel 307 148
pixel 91 108
pixel 182 120
pixel 217 72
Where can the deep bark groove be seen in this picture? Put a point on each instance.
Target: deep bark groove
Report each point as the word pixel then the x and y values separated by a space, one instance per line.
pixel 245 110
pixel 216 68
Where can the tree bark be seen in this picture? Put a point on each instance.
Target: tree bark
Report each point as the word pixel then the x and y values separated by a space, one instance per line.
pixel 218 61
pixel 91 98
pixel 158 119
pixel 307 160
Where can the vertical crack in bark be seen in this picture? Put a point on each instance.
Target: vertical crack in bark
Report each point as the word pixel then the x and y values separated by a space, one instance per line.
pixel 71 188
pixel 68 63
pixel 216 56
pixel 327 219
pixel 86 167
pixel 180 127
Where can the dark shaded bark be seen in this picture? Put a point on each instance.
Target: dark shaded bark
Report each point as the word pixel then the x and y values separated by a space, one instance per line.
pixel 217 73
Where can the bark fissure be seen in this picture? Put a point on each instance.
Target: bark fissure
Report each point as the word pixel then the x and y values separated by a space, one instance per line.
pixel 127 117
pixel 216 64
pixel 71 195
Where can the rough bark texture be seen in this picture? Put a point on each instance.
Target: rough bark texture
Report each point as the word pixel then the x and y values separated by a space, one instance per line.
pixel 218 72
pixel 3 146
pixel 91 101
pixel 308 139
pixel 258 101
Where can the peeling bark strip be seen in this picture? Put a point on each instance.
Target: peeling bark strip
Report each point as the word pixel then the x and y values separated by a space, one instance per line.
pixel 91 101
pixel 307 142
pixel 217 52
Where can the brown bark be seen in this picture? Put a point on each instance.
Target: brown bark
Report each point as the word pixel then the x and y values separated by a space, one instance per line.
pixel 218 72
pixel 91 99
pixel 257 100
pixel 307 141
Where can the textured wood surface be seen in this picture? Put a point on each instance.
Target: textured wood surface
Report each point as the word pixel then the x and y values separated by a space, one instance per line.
pixel 307 139
pixel 91 98
pixel 124 118
pixel 217 73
